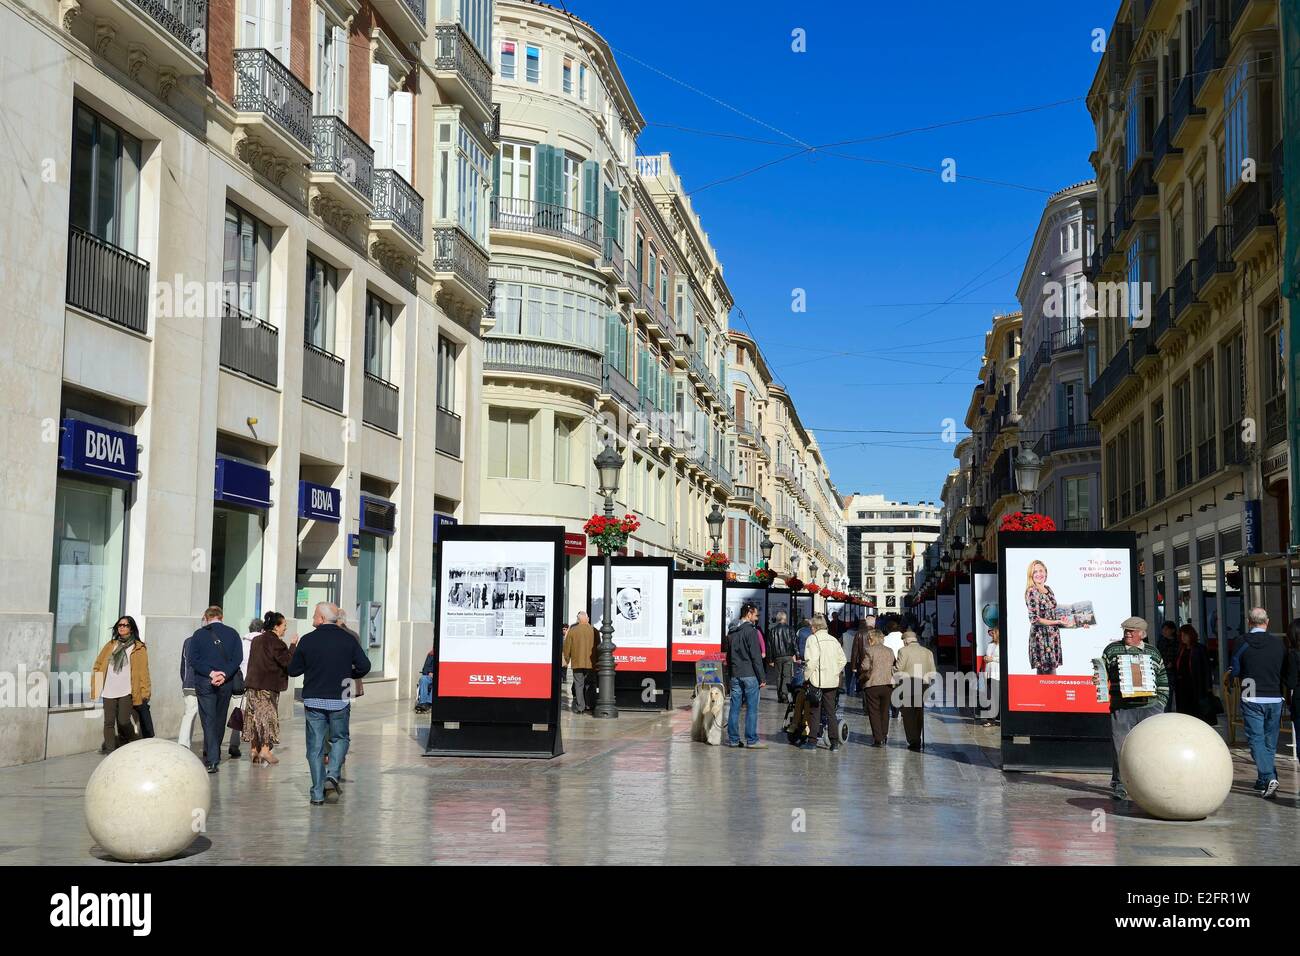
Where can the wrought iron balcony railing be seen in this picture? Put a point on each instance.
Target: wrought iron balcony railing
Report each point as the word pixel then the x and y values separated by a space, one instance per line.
pixel 1251 209
pixel 265 85
pixel 1185 288
pixel 338 149
pixel 396 200
pixel 457 253
pixel 541 358
pixel 447 438
pixel 186 20
pixel 379 403
pixel 456 52
pixel 249 345
pixel 322 377
pixel 1214 256
pixel 526 215
pixel 107 281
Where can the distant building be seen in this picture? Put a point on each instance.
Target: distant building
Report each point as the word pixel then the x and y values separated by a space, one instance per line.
pixel 886 542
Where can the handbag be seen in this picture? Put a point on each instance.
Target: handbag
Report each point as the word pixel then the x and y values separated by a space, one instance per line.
pixel 236 721
pixel 237 684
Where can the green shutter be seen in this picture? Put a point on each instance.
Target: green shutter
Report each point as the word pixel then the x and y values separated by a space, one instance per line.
pixel 541 192
pixel 591 189
pixel 611 214
pixel 556 177
pixel 496 175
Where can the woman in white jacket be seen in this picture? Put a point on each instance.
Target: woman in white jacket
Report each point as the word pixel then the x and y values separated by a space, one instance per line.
pixel 823 667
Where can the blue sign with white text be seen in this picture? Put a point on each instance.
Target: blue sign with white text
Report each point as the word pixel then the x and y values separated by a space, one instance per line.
pixel 1250 521
pixel 96 450
pixel 240 483
pixel 319 502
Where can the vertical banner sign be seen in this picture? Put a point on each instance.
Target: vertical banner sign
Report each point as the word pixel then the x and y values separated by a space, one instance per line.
pixel 984 603
pixel 496 641
pixel 1250 518
pixel 1290 22
pixel 697 616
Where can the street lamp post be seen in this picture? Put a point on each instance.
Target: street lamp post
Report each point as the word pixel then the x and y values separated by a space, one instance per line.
pixel 765 549
pixel 1028 467
pixel 715 521
pixel 979 523
pixel 609 465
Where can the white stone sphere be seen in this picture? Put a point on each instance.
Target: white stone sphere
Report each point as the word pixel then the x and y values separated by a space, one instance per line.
pixel 1176 767
pixel 148 800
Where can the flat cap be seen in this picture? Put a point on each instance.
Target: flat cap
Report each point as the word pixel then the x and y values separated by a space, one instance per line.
pixel 1134 624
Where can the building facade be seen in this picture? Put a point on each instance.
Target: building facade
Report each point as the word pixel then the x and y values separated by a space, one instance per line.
pixel 749 513
pixel 1055 361
pixel 1190 394
pixel 993 417
pixel 251 349
pixel 886 545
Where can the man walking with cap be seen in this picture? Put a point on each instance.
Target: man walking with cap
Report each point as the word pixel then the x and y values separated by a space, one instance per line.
pixel 1127 712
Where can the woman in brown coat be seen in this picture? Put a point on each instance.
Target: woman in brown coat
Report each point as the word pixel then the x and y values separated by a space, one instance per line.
pixel 876 678
pixel 268 675
pixel 120 677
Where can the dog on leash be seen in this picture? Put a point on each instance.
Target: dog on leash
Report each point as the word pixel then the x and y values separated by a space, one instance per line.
pixel 706 715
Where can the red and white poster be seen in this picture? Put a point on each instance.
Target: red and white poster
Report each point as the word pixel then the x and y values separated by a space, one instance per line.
pixel 697 605
pixel 495 620
pixel 984 586
pixel 1064 605
pixel 640 615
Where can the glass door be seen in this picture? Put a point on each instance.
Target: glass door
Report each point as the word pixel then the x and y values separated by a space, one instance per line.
pixel 372 589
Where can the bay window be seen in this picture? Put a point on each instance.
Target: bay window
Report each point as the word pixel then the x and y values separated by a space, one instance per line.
pixel 463 167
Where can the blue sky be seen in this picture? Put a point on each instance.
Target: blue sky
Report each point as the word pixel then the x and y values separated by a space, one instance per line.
pixel 867 240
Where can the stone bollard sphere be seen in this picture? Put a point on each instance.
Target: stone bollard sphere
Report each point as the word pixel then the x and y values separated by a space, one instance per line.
pixel 148 801
pixel 1176 767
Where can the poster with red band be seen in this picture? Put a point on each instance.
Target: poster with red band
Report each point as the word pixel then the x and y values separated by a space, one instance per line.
pixel 640 618
pixel 698 620
pixel 495 619
pixel 1064 605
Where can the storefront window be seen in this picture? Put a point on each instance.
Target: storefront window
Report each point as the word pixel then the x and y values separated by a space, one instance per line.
pixel 372 589
pixel 86 590
pixel 1184 595
pixel 1209 619
pixel 235 583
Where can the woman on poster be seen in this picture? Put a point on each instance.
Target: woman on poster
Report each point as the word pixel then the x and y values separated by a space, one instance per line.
pixel 1044 621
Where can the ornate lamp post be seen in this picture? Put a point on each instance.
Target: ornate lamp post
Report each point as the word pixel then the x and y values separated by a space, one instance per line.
pixel 765 549
pixel 609 465
pixel 979 523
pixel 958 550
pixel 1028 467
pixel 715 521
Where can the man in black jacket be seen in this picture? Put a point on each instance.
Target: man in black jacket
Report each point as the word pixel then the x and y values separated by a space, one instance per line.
pixel 1263 666
pixel 329 659
pixel 747 678
pixel 216 652
pixel 780 646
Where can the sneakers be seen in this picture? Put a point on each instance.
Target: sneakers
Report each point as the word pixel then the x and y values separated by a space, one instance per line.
pixel 331 782
pixel 1270 789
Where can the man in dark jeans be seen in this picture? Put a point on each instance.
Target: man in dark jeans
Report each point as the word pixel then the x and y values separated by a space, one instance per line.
pixel 780 645
pixel 1264 668
pixel 216 653
pixel 747 678
pixel 329 659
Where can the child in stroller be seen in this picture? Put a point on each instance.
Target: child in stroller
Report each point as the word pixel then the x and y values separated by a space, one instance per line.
pixel 798 712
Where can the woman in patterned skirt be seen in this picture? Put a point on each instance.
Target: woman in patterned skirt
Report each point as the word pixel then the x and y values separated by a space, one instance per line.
pixel 268 675
pixel 1044 621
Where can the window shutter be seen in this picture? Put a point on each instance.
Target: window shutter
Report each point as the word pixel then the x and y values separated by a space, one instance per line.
pixel 320 79
pixel 1061 405
pixel 496 175
pixel 556 177
pixel 611 215
pixel 250 22
pixel 379 114
pixel 341 72
pixel 591 189
pixel 542 169
pixel 403 110
pixel 273 28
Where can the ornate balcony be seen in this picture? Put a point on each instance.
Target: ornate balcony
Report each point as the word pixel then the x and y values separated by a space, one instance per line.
pixel 169 36
pixel 342 172
pixel 1214 264
pixel 615 384
pixel 461 265
pixel 1143 194
pixel 1117 369
pixel 407 18
pixel 273 111
pixel 1211 52
pixel 1185 299
pixel 611 262
pixel 544 359
pixel 1185 117
pixel 1163 319
pixel 460 70
pixel 1041 357
pixel 546 219
pixel 397 220
pixel 1167 158
pixel 1251 219
pixel 1079 437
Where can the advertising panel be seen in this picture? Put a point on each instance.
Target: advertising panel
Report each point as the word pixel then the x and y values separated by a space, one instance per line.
pixel 965 622
pixel 778 600
pixel 496 619
pixel 737 595
pixel 697 618
pixel 984 587
pixel 641 607
pixel 1063 606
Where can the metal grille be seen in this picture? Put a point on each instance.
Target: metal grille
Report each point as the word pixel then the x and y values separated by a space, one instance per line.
pixel 107 281
pixel 264 85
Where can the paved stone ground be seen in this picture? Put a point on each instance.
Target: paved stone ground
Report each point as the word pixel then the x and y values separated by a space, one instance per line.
pixel 637 790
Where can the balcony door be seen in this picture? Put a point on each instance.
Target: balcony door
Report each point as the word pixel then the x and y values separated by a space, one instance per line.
pixel 264 24
pixel 391 121
pixel 331 66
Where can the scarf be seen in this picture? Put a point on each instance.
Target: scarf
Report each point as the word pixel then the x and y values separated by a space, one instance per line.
pixel 123 648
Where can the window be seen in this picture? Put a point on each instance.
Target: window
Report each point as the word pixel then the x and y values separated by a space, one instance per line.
pixel 105 200
pixel 1112 481
pixel 379 337
pixel 464 176
pixel 1236 126
pixel 322 289
pixel 516 171
pixel 572 182
pixel 509 443
pixel 582 82
pixel 1143 274
pixel 246 265
pixel 1076 492
pixel 1273 370
pixel 870 583
pixel 1231 376
pixel 392 121
pixel 542 312
pixel 1182 398
pixel 1123 475
pixel 331 72
pixel 1158 449
pixel 564 448
pixel 507 59
pixel 1137 465
pixel 446 375
pixel 533 64
pixel 265 24
pixel 1201 220
pixel 566 75
pixel 1205 431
